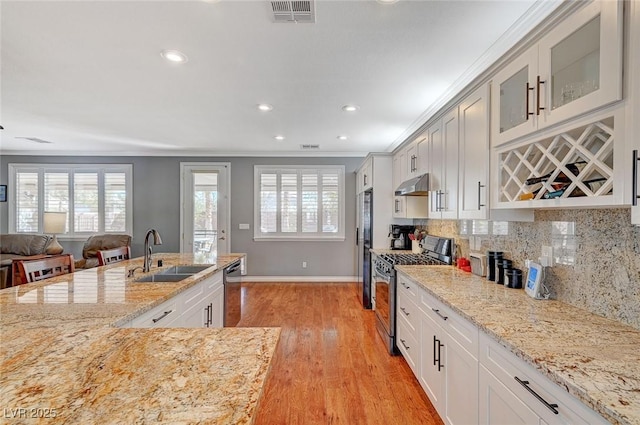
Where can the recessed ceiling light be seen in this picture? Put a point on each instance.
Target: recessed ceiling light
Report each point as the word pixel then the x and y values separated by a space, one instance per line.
pixel 278 137
pixel 350 108
pixel 342 137
pixel 386 1
pixel 174 56
pixel 265 107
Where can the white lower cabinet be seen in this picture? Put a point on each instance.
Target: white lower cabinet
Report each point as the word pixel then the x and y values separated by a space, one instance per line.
pixel 438 346
pixel 201 306
pixel 499 406
pixel 449 363
pixel 513 392
pixel 469 377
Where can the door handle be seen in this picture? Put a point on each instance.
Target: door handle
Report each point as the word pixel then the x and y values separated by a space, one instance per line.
pixel 529 88
pixel 634 179
pixel 480 204
pixel 222 238
pixel 538 107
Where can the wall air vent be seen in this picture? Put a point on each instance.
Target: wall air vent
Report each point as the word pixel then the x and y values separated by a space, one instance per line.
pixel 293 11
pixel 34 139
pixel 307 147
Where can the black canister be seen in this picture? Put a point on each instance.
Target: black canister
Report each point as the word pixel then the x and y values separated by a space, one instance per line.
pixel 492 259
pixel 502 265
pixel 514 278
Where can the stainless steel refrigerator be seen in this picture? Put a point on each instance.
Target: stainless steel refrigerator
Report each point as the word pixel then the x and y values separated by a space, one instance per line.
pixel 364 243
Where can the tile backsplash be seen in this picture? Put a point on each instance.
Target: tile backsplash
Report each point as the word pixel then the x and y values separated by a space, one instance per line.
pixel 599 253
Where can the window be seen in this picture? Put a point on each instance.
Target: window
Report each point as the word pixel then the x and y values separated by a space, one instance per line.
pixel 299 202
pixel 96 198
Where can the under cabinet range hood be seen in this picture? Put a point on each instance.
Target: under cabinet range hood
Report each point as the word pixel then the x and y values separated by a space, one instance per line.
pixel 417 186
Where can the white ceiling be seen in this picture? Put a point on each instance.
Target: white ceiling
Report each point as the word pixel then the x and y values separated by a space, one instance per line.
pixel 88 75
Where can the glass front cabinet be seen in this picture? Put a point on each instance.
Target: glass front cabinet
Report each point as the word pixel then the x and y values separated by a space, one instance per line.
pixel 573 69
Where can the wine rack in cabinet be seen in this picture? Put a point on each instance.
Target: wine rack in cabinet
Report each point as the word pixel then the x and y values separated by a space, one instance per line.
pixel 573 167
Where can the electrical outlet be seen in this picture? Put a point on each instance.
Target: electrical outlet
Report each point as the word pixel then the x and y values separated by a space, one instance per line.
pixel 546 259
pixel 304 264
pixel 244 226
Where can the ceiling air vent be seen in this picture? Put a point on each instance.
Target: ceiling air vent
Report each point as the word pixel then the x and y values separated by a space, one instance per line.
pixel 309 147
pixel 293 11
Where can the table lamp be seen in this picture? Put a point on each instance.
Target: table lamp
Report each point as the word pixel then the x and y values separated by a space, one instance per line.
pixel 54 223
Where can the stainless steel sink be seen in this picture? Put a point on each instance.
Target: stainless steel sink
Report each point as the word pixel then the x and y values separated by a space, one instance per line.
pixel 184 270
pixel 160 277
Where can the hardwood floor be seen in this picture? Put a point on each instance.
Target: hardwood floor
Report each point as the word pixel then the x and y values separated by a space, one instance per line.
pixel 331 366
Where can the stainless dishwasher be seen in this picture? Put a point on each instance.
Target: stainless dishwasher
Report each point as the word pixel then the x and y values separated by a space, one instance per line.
pixel 232 294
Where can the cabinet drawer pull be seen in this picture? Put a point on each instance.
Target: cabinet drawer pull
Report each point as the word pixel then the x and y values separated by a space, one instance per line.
pixel 404 311
pixel 162 316
pixel 403 344
pixel 634 179
pixel 437 311
pixel 538 107
pixel 553 407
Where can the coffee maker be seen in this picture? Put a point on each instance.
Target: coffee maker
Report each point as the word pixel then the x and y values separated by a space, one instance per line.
pixel 399 235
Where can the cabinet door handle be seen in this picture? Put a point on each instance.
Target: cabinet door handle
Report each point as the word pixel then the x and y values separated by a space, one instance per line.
pixel 529 88
pixel 480 204
pixel 365 179
pixel 396 205
pixel 162 316
pixel 551 406
pixel 404 311
pixel 440 365
pixel 437 311
pixel 211 314
pixel 634 179
pixel 404 345
pixel 435 350
pixel 206 321
pixel 538 107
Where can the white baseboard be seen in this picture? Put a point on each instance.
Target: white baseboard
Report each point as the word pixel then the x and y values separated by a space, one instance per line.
pixel 299 278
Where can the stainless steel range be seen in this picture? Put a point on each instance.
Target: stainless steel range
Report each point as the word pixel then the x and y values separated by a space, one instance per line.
pixel 437 252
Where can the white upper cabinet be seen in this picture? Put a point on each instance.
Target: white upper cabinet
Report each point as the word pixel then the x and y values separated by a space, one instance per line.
pixel 417 156
pixel 633 130
pixel 365 176
pixel 473 153
pixel 443 167
pixel 575 68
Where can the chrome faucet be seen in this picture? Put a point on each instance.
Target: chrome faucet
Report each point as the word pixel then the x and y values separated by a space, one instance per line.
pixel 157 240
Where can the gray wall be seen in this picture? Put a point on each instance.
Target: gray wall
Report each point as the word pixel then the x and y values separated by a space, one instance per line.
pixel 156 195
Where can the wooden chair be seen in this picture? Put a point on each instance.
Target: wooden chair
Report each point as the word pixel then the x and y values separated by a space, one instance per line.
pixel 114 255
pixel 35 270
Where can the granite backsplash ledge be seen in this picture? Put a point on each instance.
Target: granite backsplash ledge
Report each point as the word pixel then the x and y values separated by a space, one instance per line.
pixel 600 250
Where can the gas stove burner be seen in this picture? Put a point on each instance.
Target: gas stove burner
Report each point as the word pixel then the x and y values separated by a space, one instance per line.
pixel 413 259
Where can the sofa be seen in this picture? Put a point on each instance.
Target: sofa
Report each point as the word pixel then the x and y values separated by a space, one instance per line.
pixel 19 247
pixel 99 243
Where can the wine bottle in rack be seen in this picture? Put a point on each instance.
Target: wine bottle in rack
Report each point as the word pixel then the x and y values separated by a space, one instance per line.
pixel 561 177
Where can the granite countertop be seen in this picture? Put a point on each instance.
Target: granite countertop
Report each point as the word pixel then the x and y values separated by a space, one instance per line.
pixel 63 356
pixel 596 359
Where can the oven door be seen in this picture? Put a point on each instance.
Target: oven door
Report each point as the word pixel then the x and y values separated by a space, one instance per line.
pixel 385 308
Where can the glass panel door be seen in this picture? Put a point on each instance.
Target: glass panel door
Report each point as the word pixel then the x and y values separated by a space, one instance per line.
pixel 204 211
pixel 513 100
pixel 575 65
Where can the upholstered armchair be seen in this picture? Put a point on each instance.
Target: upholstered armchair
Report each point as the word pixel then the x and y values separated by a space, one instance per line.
pixel 99 243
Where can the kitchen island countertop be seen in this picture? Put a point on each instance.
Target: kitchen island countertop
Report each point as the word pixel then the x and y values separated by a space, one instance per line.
pixel 596 359
pixel 63 356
